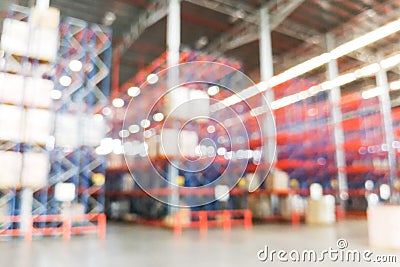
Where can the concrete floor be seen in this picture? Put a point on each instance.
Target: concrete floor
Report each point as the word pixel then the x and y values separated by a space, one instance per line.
pixel 132 245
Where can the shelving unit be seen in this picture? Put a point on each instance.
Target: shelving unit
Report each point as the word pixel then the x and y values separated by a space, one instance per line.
pixel 57 105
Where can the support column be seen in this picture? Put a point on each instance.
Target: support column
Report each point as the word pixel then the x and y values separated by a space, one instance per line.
pixel 386 111
pixel 26 209
pixel 173 45
pixel 267 72
pixel 334 98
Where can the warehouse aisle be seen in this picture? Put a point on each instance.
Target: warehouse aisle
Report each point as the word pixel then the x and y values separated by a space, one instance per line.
pixel 128 245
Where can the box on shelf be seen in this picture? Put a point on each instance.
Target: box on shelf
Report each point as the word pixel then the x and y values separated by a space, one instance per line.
pixel 43 43
pixel 12 117
pixel 93 130
pixel 178 143
pixel 64 192
pixel 383 226
pixel 37 92
pixel 35 170
pixel 38 126
pixel 260 206
pixel 11 88
pixel 66 130
pixel 15 37
pixel 10 171
pixel 115 161
pixel 48 17
pixel 180 102
pixel 37 42
pixel 321 211
pixel 277 180
pixel 17 90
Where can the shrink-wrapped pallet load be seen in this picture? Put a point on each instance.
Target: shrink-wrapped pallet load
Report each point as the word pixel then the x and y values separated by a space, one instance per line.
pixel 66 130
pixel 10 170
pixel 35 170
pixel 180 102
pixel 38 126
pixel 12 117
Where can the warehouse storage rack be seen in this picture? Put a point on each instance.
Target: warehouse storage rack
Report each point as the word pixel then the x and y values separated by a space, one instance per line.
pixel 76 96
pixel 121 190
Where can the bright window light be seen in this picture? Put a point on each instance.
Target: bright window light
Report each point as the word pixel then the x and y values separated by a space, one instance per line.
pixel 118 102
pixel 134 91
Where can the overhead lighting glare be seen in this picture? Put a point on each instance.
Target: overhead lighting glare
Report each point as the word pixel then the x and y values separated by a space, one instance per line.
pixel 371 93
pixel 134 91
pixel 118 102
pixel 366 39
pixel 395 85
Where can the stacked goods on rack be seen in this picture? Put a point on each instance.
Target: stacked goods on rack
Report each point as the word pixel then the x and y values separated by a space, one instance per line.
pixel 49 108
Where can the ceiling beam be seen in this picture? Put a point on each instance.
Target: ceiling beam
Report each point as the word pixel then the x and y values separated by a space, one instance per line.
pixel 314 42
pixel 247 31
pixel 157 10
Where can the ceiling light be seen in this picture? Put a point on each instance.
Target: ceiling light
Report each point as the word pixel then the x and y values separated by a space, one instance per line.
pixel 367 70
pixel 118 102
pixel 158 117
pixel 366 39
pixel 55 94
pixel 152 78
pixel 213 90
pixel 395 85
pixel 65 80
pixel 390 62
pixel 134 91
pixel 75 65
pixel 370 93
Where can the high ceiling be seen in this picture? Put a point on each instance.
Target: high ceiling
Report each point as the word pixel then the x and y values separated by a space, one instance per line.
pixel 297 35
